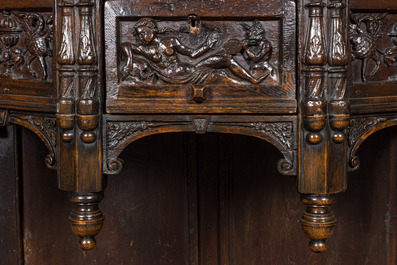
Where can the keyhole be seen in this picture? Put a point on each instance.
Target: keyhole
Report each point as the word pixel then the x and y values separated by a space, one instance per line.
pixel 193 23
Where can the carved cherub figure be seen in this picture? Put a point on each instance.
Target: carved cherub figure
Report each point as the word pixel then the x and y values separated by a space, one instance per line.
pixel 258 50
pixel 160 55
pixel 156 57
pixel 390 56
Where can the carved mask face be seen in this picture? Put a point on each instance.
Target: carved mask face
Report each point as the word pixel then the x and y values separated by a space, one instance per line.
pixel 145 34
pixel 254 33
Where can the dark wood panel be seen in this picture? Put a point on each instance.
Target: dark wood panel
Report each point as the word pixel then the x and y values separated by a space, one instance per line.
pixel 246 211
pixel 12 4
pixel 9 191
pixel 369 4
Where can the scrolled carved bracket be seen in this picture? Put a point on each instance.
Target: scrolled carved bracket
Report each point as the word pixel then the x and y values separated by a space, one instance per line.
pixel 44 127
pixel 123 130
pixel 360 128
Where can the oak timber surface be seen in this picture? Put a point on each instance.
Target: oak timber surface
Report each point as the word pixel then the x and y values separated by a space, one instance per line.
pixel 139 207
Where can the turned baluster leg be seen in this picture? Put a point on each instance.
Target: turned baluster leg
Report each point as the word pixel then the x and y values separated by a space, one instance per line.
pixel 318 221
pixel 86 218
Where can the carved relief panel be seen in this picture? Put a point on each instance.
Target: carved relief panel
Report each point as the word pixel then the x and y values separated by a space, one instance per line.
pixel 26 60
pixel 373 45
pixel 178 56
pixel 26 45
pixel 373 40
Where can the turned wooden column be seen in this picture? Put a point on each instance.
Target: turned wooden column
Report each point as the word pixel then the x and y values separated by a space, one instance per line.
pixel 79 143
pixel 324 118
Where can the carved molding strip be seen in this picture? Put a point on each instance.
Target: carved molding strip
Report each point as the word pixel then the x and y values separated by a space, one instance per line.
pixel 44 127
pixel 26 45
pixel 121 133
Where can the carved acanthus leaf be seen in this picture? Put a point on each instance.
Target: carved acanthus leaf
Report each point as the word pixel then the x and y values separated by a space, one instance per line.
pixel 45 128
pixel 280 131
pixel 118 132
pixel 359 126
pixel 44 124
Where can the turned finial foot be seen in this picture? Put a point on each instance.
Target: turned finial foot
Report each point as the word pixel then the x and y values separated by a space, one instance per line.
pixel 318 221
pixel 86 218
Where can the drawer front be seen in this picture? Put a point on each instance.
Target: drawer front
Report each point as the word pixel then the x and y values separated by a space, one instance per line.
pixel 200 56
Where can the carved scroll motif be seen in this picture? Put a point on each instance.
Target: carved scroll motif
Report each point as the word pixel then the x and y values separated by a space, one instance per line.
pixel 280 131
pixel 118 132
pixel 359 126
pixel 357 129
pixel 27 42
pixel 45 128
pixel 159 56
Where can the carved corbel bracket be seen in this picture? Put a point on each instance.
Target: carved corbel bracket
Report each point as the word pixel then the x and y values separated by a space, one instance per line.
pixel 360 128
pixel 42 126
pixel 120 131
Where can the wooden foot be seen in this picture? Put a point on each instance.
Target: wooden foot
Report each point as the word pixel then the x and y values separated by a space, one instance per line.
pixel 86 218
pixel 318 221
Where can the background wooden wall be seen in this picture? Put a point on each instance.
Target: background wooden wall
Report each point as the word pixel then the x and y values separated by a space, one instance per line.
pixel 195 199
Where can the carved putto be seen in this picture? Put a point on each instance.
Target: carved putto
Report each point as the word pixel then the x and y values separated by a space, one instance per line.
pixel 160 56
pixel 25 38
pixel 390 55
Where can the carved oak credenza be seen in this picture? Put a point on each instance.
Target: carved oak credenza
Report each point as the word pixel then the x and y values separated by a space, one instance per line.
pixel 314 78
